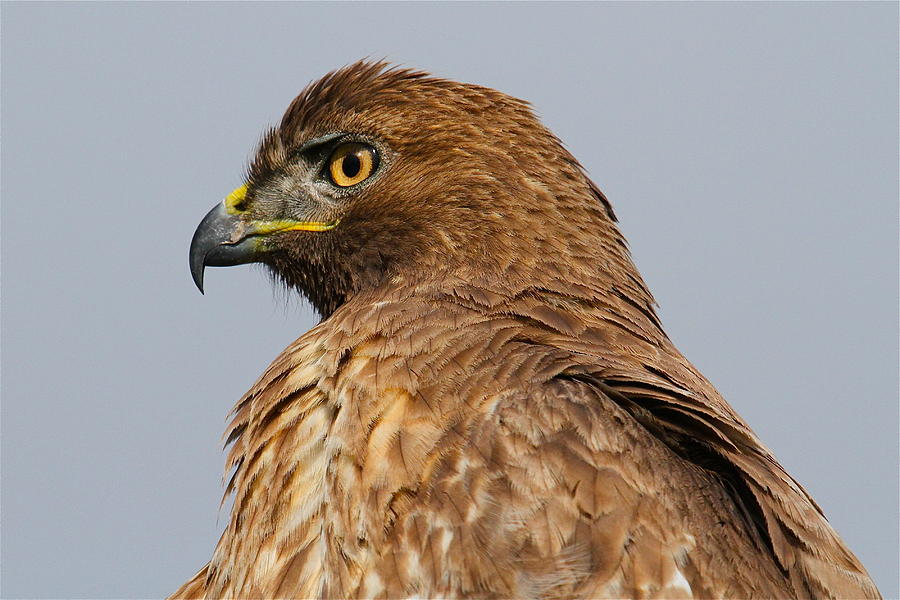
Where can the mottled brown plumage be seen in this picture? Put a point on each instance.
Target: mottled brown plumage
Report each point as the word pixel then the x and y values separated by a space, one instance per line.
pixel 490 407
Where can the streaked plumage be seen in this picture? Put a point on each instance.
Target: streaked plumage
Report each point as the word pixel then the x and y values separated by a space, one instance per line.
pixel 490 406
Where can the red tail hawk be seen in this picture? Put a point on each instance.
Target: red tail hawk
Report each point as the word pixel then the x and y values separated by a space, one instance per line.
pixel 490 407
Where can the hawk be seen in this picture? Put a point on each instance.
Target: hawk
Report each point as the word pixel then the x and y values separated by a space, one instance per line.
pixel 489 406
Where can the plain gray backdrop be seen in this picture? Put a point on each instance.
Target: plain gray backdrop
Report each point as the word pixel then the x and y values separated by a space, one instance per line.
pixel 750 151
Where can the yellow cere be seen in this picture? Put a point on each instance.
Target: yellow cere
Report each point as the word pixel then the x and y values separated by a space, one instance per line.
pixel 234 199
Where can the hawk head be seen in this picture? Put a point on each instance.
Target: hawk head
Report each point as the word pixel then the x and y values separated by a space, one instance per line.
pixel 381 176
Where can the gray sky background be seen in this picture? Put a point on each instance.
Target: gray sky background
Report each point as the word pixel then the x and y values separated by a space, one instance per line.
pixel 750 151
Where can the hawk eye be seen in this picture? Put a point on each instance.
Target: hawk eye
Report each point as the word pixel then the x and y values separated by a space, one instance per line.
pixel 352 163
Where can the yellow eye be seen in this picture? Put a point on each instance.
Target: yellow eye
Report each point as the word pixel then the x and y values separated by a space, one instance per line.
pixel 352 163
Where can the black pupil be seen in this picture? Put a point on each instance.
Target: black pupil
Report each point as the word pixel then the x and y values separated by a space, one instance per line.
pixel 351 165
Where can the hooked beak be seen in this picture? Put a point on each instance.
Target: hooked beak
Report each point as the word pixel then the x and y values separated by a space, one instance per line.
pixel 217 243
pixel 223 239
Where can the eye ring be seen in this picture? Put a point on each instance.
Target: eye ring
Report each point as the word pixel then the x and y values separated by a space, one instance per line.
pixel 352 163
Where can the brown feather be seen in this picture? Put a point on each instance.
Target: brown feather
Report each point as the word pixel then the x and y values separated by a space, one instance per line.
pixel 490 407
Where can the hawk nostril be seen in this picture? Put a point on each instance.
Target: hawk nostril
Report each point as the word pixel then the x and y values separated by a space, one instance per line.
pixel 236 201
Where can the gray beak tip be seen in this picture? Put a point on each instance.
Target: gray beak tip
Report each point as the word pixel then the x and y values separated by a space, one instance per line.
pixel 213 246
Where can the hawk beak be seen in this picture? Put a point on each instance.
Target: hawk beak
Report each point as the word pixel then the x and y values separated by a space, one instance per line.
pixel 221 240
pixel 224 239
